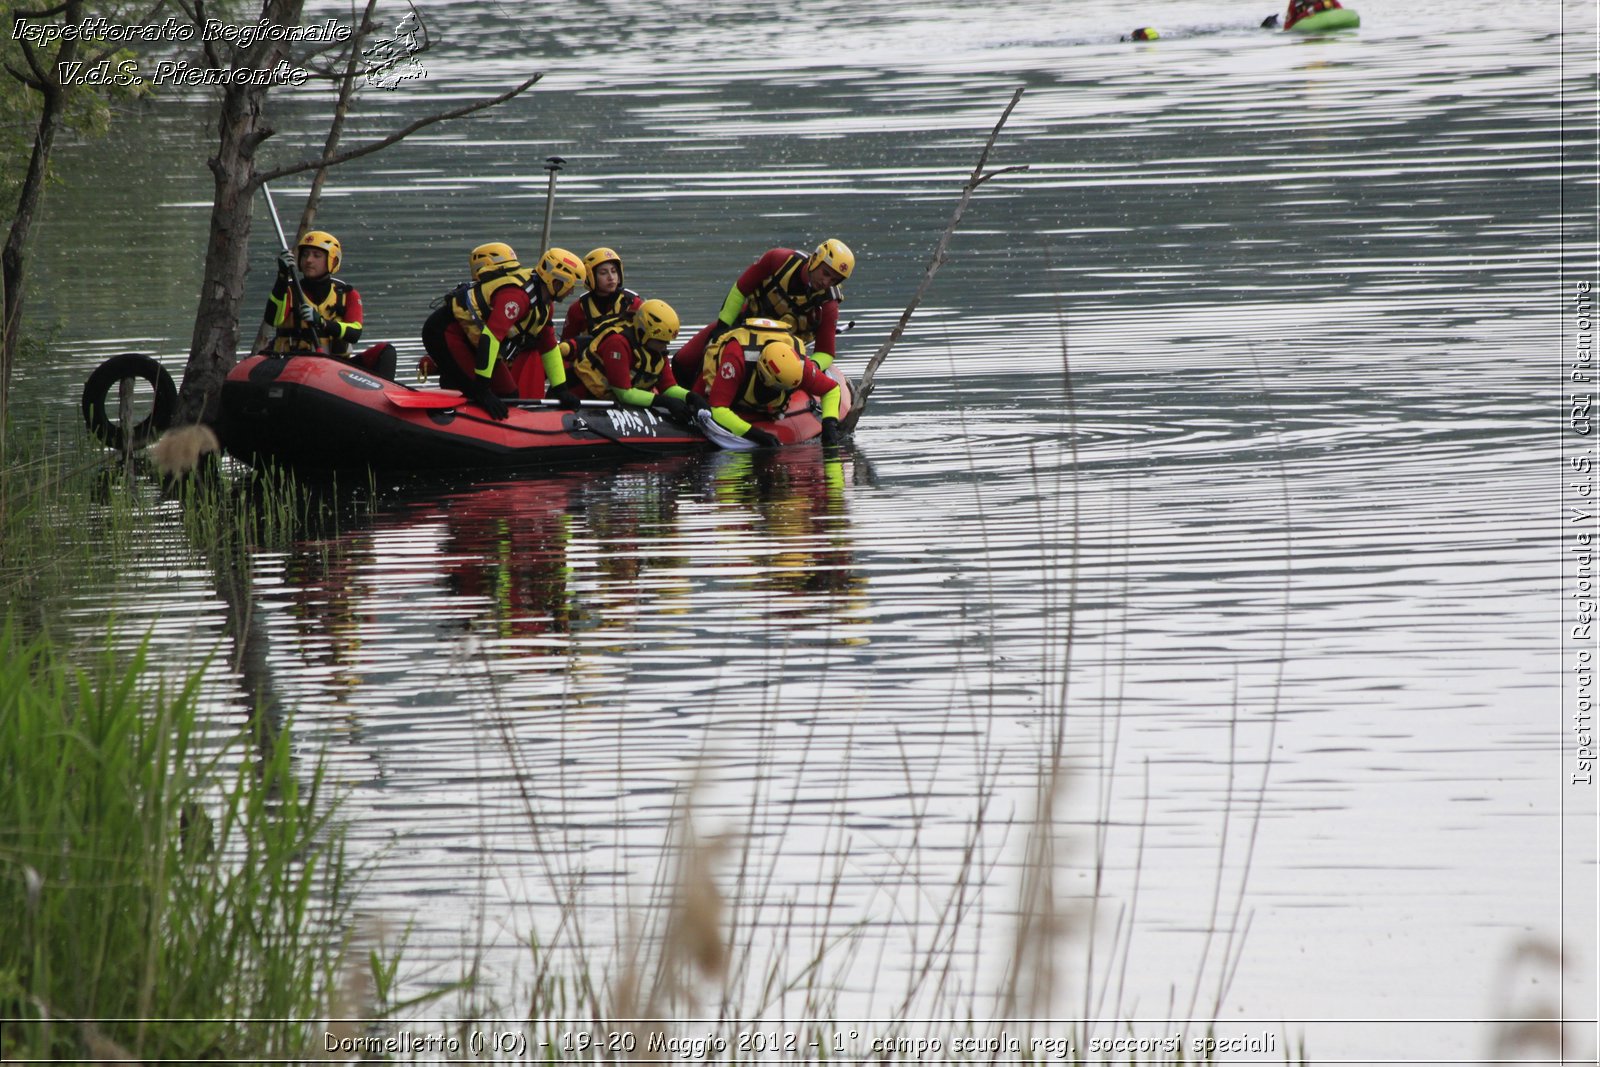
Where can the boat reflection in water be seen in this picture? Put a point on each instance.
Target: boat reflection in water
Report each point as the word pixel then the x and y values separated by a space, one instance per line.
pixel 561 586
pixel 791 503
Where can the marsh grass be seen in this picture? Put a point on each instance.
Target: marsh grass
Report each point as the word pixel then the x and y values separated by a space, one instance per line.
pixel 716 964
pixel 153 873
pixel 172 887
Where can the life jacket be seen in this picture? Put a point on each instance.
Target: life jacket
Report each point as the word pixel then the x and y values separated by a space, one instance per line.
pixel 784 297
pixel 290 337
pixel 471 302
pixel 753 335
pixel 646 367
pixel 596 316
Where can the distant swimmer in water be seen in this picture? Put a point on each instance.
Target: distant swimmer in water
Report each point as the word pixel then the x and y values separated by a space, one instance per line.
pixel 1143 33
pixel 1270 22
pixel 1300 9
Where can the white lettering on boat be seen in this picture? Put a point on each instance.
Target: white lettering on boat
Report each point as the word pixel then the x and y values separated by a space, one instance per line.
pixel 636 421
pixel 359 380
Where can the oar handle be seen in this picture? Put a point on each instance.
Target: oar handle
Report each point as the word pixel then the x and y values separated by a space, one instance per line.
pixel 545 402
pixel 552 164
pixel 449 398
pixel 294 283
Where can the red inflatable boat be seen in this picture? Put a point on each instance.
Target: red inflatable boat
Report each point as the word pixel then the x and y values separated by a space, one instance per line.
pixel 325 414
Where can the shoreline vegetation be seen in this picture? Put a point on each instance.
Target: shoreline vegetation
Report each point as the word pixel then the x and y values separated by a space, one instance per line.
pixel 167 876
pixel 162 873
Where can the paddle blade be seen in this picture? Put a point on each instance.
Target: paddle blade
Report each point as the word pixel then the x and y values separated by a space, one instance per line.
pixel 426 400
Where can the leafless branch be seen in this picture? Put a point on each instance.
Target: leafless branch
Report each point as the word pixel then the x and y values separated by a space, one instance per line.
pixel 398 135
pixel 39 71
pixel 864 388
pixel 341 110
pixel 26 79
pixel 197 15
pixel 144 20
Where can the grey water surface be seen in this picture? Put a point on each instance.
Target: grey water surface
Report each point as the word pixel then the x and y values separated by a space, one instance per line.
pixel 1227 444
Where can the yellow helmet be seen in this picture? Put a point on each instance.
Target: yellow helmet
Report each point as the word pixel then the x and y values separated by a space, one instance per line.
pixel 656 321
pixel 780 365
pixel 833 253
pixel 597 258
pixel 495 254
pixel 561 271
pixel 327 242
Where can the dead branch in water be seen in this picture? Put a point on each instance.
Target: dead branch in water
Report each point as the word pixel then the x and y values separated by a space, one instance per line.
pixel 864 389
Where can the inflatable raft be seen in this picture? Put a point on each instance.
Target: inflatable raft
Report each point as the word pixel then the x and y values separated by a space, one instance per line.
pixel 1337 18
pixel 324 414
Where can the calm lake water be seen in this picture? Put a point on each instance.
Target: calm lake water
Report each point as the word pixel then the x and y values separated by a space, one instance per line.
pixel 1281 559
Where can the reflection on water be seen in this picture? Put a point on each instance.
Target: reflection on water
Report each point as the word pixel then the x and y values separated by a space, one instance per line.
pixel 1306 290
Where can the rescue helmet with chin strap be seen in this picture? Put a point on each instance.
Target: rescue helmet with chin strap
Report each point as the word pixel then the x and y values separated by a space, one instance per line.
pixel 598 258
pixel 834 254
pixel 491 256
pixel 561 271
pixel 780 365
pixel 327 242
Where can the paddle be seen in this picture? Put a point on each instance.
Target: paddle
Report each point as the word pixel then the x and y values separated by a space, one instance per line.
pixel 299 295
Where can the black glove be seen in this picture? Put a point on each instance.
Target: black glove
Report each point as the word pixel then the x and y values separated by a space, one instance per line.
pixel 760 438
pixel 286 263
pixel 696 403
pixel 564 395
pixel 830 431
pixel 480 393
pixel 308 314
pixel 672 407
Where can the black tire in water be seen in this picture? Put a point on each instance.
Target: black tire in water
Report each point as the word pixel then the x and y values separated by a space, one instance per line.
pixel 107 376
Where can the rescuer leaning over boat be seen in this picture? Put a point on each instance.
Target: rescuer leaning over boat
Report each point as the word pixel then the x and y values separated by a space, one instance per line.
pixel 327 321
pixel 754 367
pixel 626 361
pixel 802 292
pixel 605 301
pixel 507 309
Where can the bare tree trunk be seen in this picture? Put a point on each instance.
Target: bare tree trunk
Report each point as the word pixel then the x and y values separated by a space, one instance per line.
pixel 47 81
pixel 241 129
pixel 214 349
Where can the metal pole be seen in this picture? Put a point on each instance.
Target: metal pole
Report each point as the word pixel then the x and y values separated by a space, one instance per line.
pixel 552 164
pixel 283 240
pixel 294 283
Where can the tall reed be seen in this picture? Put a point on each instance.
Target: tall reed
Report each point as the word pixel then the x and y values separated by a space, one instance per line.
pixel 161 887
pixel 171 885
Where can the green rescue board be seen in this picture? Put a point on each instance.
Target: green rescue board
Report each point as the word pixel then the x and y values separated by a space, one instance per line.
pixel 1339 18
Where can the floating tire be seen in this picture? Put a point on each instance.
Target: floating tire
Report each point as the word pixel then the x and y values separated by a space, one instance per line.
pixel 106 377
